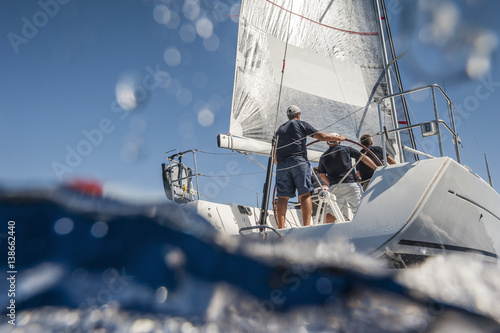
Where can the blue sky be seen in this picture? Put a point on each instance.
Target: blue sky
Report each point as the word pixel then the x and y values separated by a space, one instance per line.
pixel 66 66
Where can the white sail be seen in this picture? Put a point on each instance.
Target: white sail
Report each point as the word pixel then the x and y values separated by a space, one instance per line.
pixel 334 68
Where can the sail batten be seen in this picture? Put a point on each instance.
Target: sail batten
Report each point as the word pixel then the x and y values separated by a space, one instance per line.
pixel 334 68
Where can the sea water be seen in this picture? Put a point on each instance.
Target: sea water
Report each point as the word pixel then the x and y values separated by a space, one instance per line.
pixel 72 263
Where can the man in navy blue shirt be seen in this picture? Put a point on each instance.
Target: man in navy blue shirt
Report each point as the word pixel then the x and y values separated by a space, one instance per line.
pixel 334 165
pixel 293 172
pixel 364 174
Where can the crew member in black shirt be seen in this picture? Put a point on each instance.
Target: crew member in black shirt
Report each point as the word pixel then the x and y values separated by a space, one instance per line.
pixel 364 173
pixel 334 164
pixel 293 171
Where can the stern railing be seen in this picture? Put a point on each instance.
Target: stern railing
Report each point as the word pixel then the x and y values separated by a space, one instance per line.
pixel 434 124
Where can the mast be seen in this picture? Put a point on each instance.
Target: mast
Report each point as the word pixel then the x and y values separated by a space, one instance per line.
pixel 388 78
pixel 398 76
pixel 267 185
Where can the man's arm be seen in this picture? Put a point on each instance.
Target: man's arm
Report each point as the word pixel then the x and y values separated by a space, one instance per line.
pixel 358 176
pixel 368 161
pixel 390 160
pixel 325 178
pixel 328 137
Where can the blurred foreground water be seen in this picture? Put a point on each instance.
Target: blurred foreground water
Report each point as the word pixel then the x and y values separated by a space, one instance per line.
pixel 85 264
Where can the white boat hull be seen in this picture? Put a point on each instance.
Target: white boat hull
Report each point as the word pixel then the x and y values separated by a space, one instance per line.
pixel 409 211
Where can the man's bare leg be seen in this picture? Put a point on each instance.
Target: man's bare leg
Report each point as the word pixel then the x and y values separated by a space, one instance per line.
pixel 330 218
pixel 306 207
pixel 281 207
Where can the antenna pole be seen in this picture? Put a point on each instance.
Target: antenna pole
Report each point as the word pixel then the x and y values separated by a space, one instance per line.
pixel 488 170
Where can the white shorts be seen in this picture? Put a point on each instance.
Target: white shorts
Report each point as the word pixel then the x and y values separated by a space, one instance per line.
pixel 348 196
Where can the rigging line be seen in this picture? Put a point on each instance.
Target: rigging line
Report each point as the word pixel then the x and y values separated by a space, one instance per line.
pixel 333 65
pixel 211 153
pixel 253 160
pixel 330 153
pixel 244 188
pixel 343 204
pixel 470 132
pixel 422 148
pixel 394 65
pixel 417 142
pixel 225 176
pixel 232 154
pixel 324 25
pixel 283 70
pixel 326 10
pixel 350 24
pixel 472 161
pixel 293 166
pixel 346 116
pixel 212 199
pixel 367 149
pixel 403 101
pixel 400 87
pixel 327 126
pixel 348 172
pixel 313 174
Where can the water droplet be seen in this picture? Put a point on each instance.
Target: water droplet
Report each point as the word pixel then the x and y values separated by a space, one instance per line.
pixel 184 96
pixel 143 325
pixel 125 94
pixel 206 118
pixel 221 12
pixel 162 14
pixel 174 21
pixel 175 258
pixel 99 229
pixel 172 57
pixel 477 66
pixel 138 125
pixel 199 80
pixel 186 129
pixel 161 294
pixel 63 226
pixel 212 43
pixel 204 27
pixel 191 9
pixel 174 87
pixel 133 149
pixel 187 33
pixel 234 13
pixel 324 286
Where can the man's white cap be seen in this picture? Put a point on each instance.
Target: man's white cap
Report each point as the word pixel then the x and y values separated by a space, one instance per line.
pixel 292 110
pixel 334 142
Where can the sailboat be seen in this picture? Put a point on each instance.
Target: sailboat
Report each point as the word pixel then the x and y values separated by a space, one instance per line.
pixel 337 62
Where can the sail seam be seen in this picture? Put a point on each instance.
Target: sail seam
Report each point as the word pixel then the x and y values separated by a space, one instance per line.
pixel 324 25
